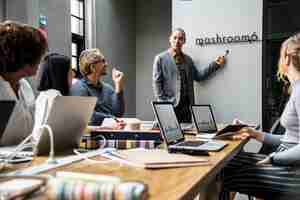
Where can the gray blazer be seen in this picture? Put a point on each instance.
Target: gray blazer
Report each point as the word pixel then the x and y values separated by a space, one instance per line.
pixel 166 77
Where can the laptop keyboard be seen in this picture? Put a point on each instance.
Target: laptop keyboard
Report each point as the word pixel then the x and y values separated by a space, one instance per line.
pixel 191 143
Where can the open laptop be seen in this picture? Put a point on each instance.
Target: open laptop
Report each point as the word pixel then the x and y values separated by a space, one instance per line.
pixel 173 134
pixel 206 125
pixel 68 118
pixel 6 107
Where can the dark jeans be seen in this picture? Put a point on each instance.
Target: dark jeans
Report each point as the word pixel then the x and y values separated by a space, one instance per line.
pixel 183 112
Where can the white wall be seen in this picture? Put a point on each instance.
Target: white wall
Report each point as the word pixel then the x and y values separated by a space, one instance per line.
pixel 235 91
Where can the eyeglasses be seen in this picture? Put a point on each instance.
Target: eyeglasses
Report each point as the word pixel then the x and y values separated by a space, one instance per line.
pixel 100 61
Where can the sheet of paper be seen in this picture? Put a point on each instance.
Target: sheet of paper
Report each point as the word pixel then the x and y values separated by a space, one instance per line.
pixel 159 158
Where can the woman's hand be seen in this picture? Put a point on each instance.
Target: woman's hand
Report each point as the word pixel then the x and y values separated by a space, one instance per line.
pixel 265 161
pixel 241 135
pixel 246 133
pixel 119 124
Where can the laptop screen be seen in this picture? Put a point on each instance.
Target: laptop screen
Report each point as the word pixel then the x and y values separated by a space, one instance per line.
pixel 6 108
pixel 168 122
pixel 204 118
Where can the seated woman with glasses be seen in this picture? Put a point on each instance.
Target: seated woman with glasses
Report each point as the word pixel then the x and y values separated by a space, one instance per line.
pixel 110 102
pixel 274 176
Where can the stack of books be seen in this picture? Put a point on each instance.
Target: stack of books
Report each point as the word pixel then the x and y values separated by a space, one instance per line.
pixel 94 141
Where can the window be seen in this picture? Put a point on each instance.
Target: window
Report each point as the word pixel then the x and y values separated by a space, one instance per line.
pixel 78 31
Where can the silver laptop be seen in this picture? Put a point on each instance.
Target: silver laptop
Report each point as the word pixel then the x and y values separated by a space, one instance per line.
pixel 206 126
pixel 173 134
pixel 68 118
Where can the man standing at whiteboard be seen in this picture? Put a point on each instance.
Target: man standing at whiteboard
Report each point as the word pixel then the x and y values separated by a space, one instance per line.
pixel 174 73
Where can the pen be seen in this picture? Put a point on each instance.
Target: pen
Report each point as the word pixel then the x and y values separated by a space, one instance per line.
pixel 226 53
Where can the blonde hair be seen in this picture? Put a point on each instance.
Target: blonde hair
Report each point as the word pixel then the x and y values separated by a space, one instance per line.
pixel 88 58
pixel 290 47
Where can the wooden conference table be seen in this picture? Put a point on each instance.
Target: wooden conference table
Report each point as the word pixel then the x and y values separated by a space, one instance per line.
pixel 173 183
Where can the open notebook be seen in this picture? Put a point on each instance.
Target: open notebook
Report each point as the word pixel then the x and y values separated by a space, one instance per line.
pixel 155 158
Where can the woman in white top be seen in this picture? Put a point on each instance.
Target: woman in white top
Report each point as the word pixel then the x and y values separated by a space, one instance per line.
pixel 21 49
pixel 54 79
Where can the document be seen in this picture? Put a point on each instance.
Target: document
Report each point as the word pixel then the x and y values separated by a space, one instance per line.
pixel 156 158
pixel 231 129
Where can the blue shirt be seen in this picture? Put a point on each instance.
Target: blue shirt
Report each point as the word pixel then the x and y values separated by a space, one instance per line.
pixel 109 103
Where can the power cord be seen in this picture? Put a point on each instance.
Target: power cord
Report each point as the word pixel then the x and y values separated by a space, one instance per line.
pixel 104 141
pixel 19 148
pixel 51 159
pixel 84 155
pixel 24 144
